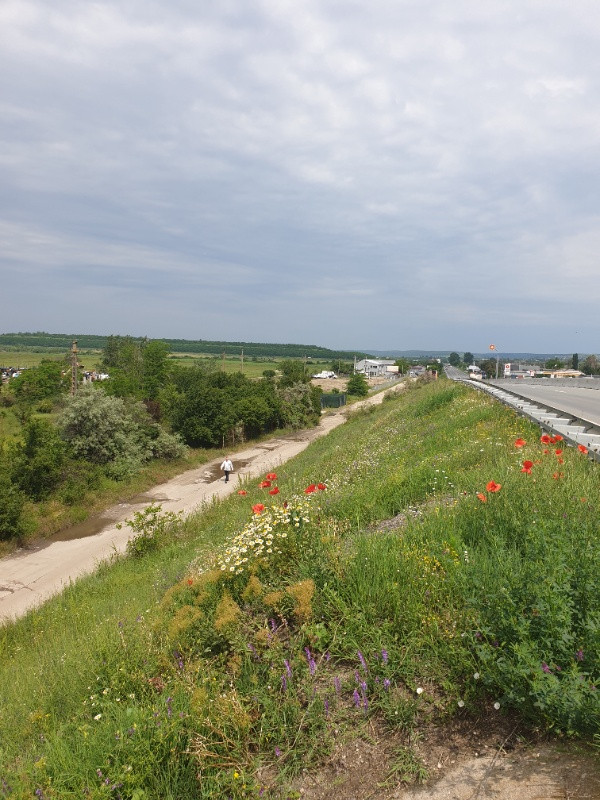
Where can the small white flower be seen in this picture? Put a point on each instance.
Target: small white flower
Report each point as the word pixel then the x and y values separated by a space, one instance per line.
pixel 476 676
pixel 461 703
pixel 496 706
pixel 420 690
pixel 98 716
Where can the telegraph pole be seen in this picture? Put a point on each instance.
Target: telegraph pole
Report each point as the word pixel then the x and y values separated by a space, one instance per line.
pixel 74 368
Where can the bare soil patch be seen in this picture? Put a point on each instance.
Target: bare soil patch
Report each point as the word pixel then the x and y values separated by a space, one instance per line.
pixel 465 759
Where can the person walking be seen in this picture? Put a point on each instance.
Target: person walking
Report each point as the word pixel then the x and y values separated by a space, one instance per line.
pixel 227 467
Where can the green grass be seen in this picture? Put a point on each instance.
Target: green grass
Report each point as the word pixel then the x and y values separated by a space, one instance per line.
pixel 162 668
pixel 33 358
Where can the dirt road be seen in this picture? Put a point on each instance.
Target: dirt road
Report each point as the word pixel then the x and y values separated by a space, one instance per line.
pixel 32 575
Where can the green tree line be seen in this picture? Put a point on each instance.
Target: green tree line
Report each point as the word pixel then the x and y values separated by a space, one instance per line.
pixel 42 340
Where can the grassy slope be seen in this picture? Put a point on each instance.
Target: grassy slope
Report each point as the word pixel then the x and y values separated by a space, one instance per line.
pixel 229 672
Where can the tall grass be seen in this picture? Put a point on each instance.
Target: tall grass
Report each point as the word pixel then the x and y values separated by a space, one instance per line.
pixel 234 655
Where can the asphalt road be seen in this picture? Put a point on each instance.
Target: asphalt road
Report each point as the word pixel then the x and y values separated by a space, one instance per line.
pixel 581 403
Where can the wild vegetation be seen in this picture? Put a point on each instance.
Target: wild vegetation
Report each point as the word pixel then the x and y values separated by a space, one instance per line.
pixel 58 452
pixel 432 557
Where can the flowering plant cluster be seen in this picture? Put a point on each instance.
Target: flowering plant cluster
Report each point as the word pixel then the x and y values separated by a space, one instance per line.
pixel 265 534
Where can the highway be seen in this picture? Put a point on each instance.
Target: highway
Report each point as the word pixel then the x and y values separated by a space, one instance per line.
pixel 572 411
pixel 581 403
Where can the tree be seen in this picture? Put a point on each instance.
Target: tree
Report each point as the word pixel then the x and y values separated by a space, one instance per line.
pixel 403 365
pixel 39 383
pixel 454 359
pixel 104 429
pixel 154 368
pixel 591 365
pixel 488 367
pixel 357 385
pixel 575 361
pixel 37 462
pixel 554 363
pixel 341 367
pixel 468 358
pixel 293 371
pixel 12 501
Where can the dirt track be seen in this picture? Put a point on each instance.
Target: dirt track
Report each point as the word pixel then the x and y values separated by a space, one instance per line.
pixel 31 576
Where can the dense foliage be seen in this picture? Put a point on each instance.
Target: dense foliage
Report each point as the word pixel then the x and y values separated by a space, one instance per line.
pixel 148 408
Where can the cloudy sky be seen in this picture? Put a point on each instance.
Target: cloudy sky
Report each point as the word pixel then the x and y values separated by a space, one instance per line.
pixel 391 174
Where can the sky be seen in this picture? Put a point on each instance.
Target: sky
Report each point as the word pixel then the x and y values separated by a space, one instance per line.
pixel 397 174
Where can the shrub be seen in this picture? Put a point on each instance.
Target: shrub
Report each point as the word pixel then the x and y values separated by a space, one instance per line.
pixel 12 501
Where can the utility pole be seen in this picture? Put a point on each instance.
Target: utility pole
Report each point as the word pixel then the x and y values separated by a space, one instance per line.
pixel 242 359
pixel 74 368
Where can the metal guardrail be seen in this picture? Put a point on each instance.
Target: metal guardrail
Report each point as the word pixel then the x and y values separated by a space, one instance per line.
pixel 552 420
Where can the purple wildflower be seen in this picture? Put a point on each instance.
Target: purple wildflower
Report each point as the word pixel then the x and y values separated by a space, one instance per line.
pixel 337 684
pixel 579 655
pixel 384 656
pixel 288 668
pixel 386 683
pixel 284 683
pixel 327 656
pixel 363 663
pixel 356 698
pixel 273 625
pixel 278 752
pixel 545 667
pixel 326 704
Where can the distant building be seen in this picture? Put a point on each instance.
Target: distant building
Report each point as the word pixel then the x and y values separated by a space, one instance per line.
pixel 376 368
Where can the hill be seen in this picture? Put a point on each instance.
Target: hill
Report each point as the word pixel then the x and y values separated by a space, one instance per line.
pixel 63 341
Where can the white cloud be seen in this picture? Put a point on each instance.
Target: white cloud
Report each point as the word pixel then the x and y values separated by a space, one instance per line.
pixel 418 150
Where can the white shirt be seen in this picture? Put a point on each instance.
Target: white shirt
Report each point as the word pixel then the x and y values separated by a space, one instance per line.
pixel 227 466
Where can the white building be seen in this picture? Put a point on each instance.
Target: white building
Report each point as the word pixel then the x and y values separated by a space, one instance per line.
pixel 376 368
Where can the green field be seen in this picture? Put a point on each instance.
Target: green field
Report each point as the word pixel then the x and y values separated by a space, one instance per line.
pixel 416 572
pixel 252 367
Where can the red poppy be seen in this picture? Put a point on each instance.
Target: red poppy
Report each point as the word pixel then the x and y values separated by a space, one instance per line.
pixel 558 475
pixel 545 439
pixel 546 452
pixel 310 489
pixel 482 497
pixel 243 492
pixel 558 438
pixel 558 451
pixel 275 490
pixel 582 448
pixel 271 476
pixel 190 581
pixel 560 460
pixel 264 484
pixel 520 442
pixel 492 486
pixel 321 487
pixel 258 508
pixel 527 465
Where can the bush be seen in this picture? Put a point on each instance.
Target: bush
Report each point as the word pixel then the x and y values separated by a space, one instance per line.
pixel 12 501
pixel 37 461
pixel 358 386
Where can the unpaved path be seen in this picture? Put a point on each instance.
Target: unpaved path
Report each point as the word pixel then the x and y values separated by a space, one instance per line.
pixel 32 575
